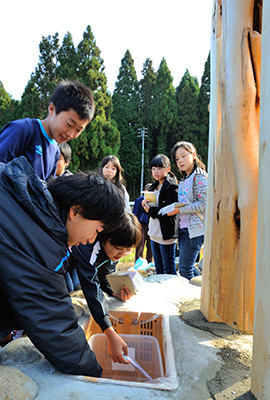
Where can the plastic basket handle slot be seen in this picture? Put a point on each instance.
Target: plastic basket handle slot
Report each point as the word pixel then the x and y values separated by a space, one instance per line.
pixel 136 365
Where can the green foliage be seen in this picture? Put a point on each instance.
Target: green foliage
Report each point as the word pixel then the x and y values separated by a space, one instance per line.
pixel 44 77
pixel 31 104
pixel 5 100
pixel 187 100
pixel 203 111
pixel 8 106
pixel 126 114
pixel 163 114
pixel 101 136
pixel 67 60
pixel 146 91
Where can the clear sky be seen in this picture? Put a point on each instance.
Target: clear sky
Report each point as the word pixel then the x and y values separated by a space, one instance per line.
pixel 178 30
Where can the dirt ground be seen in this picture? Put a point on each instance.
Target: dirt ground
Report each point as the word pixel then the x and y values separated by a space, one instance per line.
pixel 235 352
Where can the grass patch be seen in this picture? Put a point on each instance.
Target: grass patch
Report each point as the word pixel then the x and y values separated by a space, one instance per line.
pixel 130 258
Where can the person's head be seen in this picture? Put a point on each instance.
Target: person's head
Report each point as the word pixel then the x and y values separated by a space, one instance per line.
pixel 110 168
pixel 64 158
pixel 160 167
pixel 185 157
pixel 90 204
pixel 71 108
pixel 121 241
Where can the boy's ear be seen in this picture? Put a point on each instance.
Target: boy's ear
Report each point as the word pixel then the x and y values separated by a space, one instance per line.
pixel 51 108
pixel 73 211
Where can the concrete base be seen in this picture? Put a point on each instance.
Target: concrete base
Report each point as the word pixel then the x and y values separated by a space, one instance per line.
pixel 196 357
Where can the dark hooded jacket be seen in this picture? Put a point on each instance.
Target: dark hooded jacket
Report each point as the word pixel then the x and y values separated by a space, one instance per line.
pixel 33 262
pixel 168 195
pixel 92 265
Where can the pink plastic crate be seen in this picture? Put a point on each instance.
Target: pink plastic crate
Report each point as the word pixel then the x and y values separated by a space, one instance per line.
pixel 144 350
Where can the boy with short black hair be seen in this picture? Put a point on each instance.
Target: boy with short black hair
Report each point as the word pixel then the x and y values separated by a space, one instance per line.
pixel 70 110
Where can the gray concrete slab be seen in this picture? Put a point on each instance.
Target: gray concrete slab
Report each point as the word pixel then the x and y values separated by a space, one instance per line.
pixel 195 355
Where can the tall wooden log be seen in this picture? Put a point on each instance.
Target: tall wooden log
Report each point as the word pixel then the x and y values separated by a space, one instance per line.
pixel 230 247
pixel 260 383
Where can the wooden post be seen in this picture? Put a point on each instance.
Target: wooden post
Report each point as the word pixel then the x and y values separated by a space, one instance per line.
pixel 228 283
pixel 260 383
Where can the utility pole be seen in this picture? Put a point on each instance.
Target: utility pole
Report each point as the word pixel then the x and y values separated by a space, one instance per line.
pixel 142 133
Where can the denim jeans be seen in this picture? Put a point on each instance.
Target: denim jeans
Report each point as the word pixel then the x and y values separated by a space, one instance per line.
pixel 164 258
pixel 188 252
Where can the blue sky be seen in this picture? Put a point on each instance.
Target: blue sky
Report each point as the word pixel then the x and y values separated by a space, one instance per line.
pixel 178 30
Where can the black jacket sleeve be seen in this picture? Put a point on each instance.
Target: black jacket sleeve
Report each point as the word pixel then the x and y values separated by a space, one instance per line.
pixel 106 269
pixel 88 276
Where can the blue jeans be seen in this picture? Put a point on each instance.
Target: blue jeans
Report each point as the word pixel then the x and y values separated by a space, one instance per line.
pixel 164 258
pixel 188 252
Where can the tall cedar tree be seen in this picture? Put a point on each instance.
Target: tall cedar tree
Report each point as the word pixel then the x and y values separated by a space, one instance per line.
pixel 31 104
pixel 5 100
pixel 163 115
pixel 126 114
pixel 8 106
pixel 67 60
pixel 102 136
pixel 45 77
pixel 187 101
pixel 35 98
pixel 203 111
pixel 147 85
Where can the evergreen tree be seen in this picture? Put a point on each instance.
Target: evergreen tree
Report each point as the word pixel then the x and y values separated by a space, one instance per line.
pixel 8 107
pixel 146 91
pixel 187 102
pixel 67 60
pixel 101 136
pixel 203 111
pixel 5 101
pixel 126 114
pixel 44 77
pixel 31 104
pixel 163 114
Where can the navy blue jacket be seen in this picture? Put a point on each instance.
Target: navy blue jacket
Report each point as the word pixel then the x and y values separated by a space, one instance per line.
pixel 33 262
pixel 138 211
pixel 27 137
pixel 93 264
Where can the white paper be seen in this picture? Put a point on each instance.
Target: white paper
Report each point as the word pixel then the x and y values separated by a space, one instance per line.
pixel 167 209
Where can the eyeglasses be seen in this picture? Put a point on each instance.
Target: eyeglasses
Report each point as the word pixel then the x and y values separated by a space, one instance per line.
pixel 153 169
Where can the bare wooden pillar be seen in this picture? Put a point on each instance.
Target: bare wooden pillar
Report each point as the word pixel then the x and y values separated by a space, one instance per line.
pixel 230 247
pixel 260 383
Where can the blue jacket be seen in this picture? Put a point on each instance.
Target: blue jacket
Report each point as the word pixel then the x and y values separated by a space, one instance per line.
pixel 138 211
pixel 27 137
pixel 33 262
